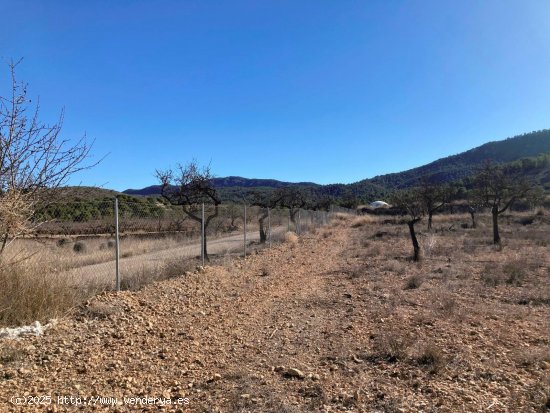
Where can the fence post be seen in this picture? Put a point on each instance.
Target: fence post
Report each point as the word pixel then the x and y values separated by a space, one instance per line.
pixel 288 229
pixel 269 226
pixel 299 222
pixel 244 231
pixel 117 248
pixel 202 235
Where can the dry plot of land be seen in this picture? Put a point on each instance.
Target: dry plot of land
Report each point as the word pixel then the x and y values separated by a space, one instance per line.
pixel 339 321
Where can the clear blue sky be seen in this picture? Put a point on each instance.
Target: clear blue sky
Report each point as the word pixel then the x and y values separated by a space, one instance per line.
pixel 323 91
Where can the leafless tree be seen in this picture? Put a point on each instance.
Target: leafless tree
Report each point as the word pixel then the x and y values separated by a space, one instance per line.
pixel 34 159
pixel 189 186
pixel 474 206
pixel 265 201
pixel 410 203
pixel 498 188
pixel 435 196
pixel 293 198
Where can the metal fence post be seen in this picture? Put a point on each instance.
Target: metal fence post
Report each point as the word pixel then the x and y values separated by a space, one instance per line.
pixel 244 231
pixel 202 235
pixel 289 215
pixel 269 226
pixel 117 248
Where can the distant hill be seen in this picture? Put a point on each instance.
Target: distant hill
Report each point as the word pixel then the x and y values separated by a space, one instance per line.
pixel 460 166
pixel 451 168
pixel 83 193
pixel 228 182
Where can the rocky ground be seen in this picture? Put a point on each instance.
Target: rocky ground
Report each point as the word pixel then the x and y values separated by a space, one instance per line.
pixel 337 321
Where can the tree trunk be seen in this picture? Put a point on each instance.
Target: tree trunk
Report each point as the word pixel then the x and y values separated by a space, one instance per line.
pixel 293 213
pixel 430 215
pixel 206 223
pixel 473 215
pixel 496 235
pixel 263 232
pixel 416 245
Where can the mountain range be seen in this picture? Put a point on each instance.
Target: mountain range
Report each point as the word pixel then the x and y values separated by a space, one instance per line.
pixel 449 169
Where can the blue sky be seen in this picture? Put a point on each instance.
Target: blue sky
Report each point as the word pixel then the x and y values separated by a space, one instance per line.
pixel 323 91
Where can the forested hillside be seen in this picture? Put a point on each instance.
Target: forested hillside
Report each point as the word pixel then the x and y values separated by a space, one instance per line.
pixel 459 166
pixel 449 169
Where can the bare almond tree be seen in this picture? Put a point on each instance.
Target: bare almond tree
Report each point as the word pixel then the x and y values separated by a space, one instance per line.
pixel 435 196
pixel 34 159
pixel 265 201
pixel 190 186
pixel 497 188
pixel 294 198
pixel 410 203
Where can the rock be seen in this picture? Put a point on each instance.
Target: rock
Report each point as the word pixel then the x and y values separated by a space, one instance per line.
pixel 357 359
pixel 294 373
pixel 214 378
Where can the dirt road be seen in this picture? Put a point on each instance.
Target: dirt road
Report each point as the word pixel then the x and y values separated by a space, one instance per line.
pixel 155 260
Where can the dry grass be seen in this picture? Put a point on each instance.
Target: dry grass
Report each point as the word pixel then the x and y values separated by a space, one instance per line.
pixel 63 254
pixel 146 275
pixel 362 221
pixel 38 284
pixel 291 238
pixel 32 293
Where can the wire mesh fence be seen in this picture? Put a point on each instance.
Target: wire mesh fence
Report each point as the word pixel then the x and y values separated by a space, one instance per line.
pixel 123 243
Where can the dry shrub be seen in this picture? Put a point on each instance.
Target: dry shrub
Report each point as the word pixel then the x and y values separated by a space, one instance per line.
pixel 432 357
pixel 394 266
pixel 529 357
pixel 512 272
pixel 413 282
pixel 515 272
pixel 30 293
pixel 429 245
pixel 80 247
pixel 327 233
pixel 291 238
pixel 392 345
pixel 340 216
pixel 339 219
pixel 447 305
pixel 490 277
pixel 361 221
pixel 536 298
pixel 444 304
